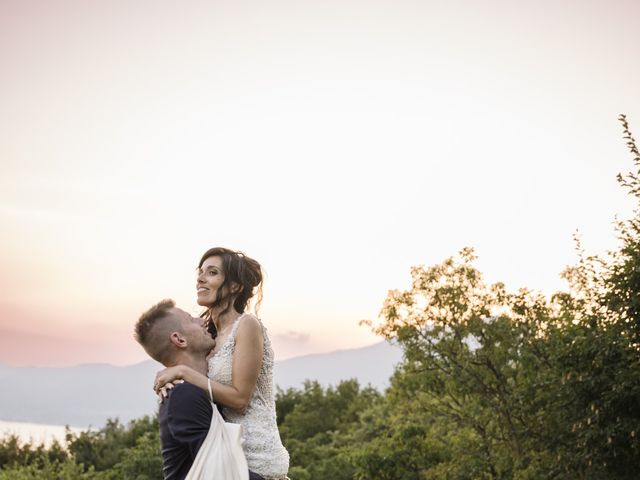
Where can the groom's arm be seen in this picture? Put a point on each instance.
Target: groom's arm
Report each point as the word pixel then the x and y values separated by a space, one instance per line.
pixel 189 416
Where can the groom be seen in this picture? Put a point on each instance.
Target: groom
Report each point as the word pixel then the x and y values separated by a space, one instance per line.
pixel 171 336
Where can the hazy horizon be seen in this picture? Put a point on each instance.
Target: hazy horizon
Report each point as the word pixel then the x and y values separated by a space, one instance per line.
pixel 147 359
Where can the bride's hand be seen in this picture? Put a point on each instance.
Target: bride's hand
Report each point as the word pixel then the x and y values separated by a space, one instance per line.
pixel 172 376
pixel 164 391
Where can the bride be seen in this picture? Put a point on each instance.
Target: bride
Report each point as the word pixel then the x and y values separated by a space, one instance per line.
pixel 240 369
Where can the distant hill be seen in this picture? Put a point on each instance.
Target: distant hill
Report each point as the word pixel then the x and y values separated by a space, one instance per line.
pixel 78 396
pixel 87 395
pixel 370 365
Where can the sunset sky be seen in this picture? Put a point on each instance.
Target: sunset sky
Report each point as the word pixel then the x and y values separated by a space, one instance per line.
pixel 337 142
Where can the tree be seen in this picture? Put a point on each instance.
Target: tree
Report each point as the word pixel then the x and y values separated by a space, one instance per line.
pixel 603 365
pixel 107 447
pixel 47 470
pixel 316 425
pixel 143 461
pixel 530 387
pixel 477 360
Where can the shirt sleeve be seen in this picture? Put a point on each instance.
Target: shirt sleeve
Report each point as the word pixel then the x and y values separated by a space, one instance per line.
pixel 189 416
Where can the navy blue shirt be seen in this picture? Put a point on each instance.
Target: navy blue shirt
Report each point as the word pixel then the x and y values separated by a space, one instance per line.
pixel 185 417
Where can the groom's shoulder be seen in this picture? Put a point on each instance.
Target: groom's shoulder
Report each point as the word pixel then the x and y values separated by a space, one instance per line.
pixel 186 396
pixel 187 391
pixel 185 412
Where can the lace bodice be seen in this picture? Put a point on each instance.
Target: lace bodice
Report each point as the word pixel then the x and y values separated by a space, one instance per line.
pixel 261 440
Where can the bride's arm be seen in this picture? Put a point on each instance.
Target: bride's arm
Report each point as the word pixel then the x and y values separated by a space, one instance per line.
pixel 247 361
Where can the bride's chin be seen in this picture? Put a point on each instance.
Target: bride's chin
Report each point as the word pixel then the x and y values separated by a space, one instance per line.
pixel 203 303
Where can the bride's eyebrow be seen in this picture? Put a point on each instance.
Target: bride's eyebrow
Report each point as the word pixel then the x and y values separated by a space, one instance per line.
pixel 210 267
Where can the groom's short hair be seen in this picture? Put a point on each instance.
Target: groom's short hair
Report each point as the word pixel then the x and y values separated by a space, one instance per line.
pixel 153 329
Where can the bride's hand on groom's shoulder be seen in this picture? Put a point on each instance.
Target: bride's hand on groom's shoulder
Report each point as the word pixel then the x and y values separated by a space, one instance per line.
pixel 164 391
pixel 168 378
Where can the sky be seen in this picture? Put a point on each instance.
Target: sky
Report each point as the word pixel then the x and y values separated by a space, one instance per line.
pixel 338 143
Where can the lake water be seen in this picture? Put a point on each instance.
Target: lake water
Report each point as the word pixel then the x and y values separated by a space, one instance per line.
pixel 35 432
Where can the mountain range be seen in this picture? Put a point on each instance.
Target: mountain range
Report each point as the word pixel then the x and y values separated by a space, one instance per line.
pixel 88 395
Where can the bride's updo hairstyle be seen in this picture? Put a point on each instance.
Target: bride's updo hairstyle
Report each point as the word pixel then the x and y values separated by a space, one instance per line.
pixel 242 280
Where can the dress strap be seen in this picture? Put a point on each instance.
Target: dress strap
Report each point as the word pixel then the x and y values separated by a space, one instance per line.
pixel 236 324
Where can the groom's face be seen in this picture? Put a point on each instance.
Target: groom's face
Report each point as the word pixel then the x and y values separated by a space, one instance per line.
pixel 198 338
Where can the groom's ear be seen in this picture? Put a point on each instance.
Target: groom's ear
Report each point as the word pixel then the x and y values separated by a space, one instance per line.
pixel 178 340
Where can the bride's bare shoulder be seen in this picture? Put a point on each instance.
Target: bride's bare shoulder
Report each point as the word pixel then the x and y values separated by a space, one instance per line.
pixel 249 324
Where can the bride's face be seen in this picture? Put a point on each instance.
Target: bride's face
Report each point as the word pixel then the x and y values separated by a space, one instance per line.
pixel 210 279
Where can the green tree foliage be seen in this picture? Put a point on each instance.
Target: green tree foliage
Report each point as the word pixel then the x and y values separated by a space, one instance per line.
pixel 47 470
pixel 104 448
pixel 603 362
pixel 13 452
pixel 395 440
pixel 115 452
pixel 143 461
pixel 315 425
pixel 478 363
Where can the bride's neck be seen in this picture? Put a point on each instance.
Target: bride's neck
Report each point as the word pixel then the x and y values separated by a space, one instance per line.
pixel 225 319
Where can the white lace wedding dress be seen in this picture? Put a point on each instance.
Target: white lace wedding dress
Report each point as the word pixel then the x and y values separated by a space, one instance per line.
pixel 262 446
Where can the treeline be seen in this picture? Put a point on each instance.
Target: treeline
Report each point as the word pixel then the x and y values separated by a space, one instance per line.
pixel 114 452
pixel 494 385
